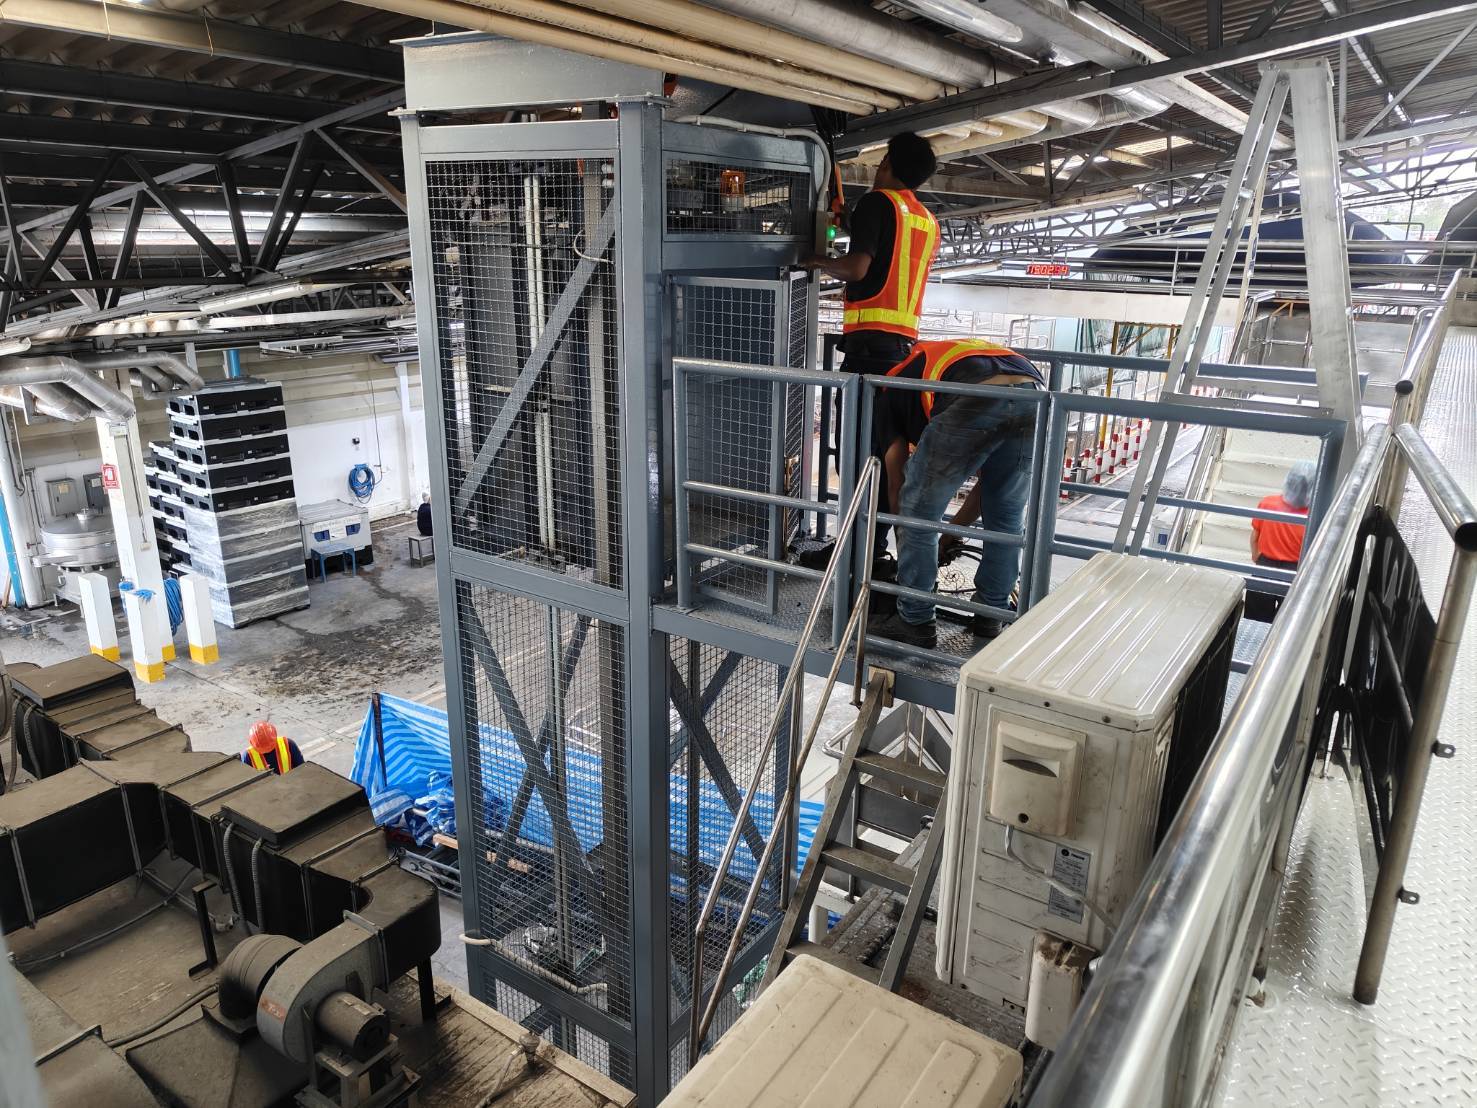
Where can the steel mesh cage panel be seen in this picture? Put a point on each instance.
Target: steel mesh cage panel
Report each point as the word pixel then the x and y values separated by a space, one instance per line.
pixel 743 432
pixel 721 708
pixel 526 316
pixel 547 819
pixel 705 198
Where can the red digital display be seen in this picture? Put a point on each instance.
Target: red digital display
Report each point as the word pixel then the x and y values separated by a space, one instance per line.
pixel 1047 269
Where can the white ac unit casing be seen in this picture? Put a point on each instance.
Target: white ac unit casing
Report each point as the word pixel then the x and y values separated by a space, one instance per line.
pixel 1064 727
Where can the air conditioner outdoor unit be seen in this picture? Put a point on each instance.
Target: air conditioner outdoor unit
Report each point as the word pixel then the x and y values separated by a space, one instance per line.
pixel 1078 732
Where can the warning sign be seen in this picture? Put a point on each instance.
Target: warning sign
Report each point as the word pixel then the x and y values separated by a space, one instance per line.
pixel 110 476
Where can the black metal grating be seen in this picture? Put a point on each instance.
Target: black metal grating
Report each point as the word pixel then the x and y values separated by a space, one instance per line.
pixel 553 880
pixel 729 198
pixel 526 313
pixel 736 698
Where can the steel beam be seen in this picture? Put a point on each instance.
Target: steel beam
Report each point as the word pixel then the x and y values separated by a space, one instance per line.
pixel 204 35
pixel 162 197
pixel 266 143
pixel 128 90
pixel 369 172
pixel 125 245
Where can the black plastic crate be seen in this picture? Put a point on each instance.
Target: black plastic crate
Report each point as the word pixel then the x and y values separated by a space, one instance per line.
pixel 228 425
pixel 230 451
pixel 241 394
pixel 223 500
pixel 232 475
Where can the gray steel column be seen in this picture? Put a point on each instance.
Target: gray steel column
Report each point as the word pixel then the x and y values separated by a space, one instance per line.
pixel 480 982
pixel 1310 86
pixel 639 193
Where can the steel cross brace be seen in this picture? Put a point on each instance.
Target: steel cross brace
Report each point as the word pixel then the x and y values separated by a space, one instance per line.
pixel 514 822
pixel 538 357
pixel 565 840
pixel 703 741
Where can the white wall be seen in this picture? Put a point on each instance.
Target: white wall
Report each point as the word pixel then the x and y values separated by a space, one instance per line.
pixel 330 402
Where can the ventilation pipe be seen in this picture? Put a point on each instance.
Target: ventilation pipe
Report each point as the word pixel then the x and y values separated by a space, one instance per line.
pixel 265 294
pixel 49 400
pixel 762 39
pixel 670 54
pixel 171 365
pixel 105 401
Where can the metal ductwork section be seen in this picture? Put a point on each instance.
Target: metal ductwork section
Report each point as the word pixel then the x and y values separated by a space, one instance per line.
pixel 104 401
pixel 68 387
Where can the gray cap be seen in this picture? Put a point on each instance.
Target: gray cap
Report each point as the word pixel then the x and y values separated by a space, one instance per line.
pixel 1297 489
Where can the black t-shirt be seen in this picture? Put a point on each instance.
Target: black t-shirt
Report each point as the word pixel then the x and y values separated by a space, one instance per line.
pixel 874 232
pixel 423 518
pixel 898 413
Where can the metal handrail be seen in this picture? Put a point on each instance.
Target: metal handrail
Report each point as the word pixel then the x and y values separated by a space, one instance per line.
pixel 1233 814
pixel 1459 516
pixel 867 487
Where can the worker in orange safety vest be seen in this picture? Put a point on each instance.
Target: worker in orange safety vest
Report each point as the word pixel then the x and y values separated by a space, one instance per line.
pixel 267 750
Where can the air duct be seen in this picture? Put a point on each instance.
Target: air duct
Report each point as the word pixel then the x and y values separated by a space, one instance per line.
pixel 173 367
pixel 105 401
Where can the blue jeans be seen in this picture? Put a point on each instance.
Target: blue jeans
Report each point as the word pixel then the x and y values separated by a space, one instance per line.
pixel 993 439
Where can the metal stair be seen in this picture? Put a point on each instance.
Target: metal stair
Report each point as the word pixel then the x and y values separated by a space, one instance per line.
pixel 874 789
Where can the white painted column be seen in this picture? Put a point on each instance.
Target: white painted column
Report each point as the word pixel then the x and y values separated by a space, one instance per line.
pixel 97 613
pixel 141 606
pixel 20 529
pixel 414 483
pixel 128 504
pixel 199 619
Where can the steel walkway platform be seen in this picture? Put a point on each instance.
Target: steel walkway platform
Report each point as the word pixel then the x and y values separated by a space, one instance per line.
pixel 1309 1043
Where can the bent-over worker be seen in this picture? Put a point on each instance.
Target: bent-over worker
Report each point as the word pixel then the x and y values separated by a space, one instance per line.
pixel 956 436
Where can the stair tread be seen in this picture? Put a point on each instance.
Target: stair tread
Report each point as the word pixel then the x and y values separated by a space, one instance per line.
pixel 867 865
pixel 906 773
pixel 834 958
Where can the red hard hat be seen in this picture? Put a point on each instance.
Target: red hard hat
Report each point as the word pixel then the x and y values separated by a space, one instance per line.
pixel 262 736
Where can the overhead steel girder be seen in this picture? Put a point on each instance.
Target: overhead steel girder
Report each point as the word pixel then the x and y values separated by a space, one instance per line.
pixel 94 86
pixel 262 174
pixel 262 145
pixel 215 37
pixel 1087 80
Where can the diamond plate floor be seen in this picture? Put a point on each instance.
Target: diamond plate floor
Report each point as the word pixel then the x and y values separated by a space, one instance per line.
pixel 1311 1044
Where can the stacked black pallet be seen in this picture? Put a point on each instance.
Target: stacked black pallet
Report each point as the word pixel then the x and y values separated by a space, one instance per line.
pixel 161 475
pixel 240 509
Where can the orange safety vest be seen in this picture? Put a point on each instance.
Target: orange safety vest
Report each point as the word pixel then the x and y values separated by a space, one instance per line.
pixel 897 306
pixel 284 756
pixel 938 357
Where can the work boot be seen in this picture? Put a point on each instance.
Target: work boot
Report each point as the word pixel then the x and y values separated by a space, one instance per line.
pixel 986 627
pixel 897 629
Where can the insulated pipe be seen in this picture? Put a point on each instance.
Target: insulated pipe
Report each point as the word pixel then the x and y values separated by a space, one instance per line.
pixel 25 372
pixel 874 35
pixel 171 364
pixel 733 33
pixel 279 319
pixel 871 34
pixel 49 400
pixel 265 294
pixel 479 19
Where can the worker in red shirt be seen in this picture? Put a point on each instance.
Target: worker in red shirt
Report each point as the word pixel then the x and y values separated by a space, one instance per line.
pixel 1276 544
pixel 267 750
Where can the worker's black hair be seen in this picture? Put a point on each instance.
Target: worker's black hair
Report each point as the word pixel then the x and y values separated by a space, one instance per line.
pixel 911 158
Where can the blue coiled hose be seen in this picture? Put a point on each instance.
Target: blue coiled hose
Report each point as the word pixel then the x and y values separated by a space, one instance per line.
pixel 175 602
pixel 361 482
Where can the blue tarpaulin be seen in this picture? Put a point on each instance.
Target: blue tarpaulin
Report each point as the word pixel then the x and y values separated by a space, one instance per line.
pixel 416 775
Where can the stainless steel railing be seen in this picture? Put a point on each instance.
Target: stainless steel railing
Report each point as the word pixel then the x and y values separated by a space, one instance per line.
pixel 1151 1028
pixel 791 694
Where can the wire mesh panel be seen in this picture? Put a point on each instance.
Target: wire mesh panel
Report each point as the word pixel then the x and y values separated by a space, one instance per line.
pixel 746 431
pixel 722 705
pixel 526 319
pixel 705 197
pixel 547 817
